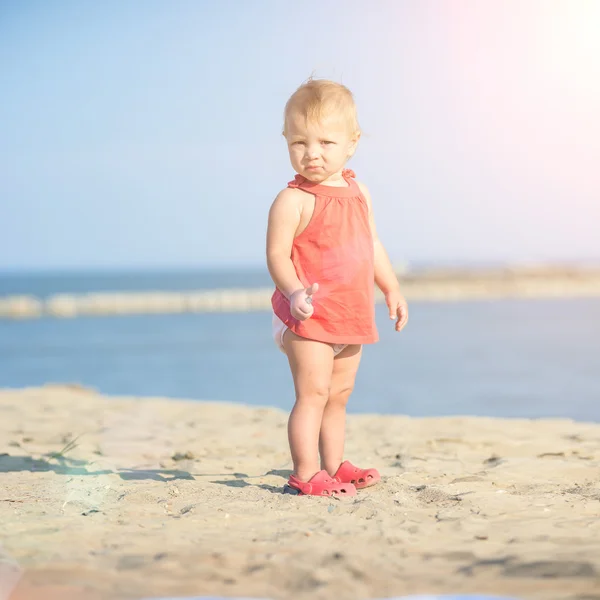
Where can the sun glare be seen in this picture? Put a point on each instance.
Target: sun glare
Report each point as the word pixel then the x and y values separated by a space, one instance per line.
pixel 574 37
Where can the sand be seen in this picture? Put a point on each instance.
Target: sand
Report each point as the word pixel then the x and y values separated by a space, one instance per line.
pixel 157 497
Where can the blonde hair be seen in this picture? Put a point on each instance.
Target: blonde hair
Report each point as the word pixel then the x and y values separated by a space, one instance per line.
pixel 317 99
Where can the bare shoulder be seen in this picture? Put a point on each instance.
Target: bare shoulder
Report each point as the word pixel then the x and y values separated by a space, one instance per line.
pixel 288 198
pixel 285 217
pixel 287 208
pixel 290 194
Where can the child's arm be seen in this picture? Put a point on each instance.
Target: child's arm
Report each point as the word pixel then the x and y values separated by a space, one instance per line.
pixel 284 218
pixel 385 277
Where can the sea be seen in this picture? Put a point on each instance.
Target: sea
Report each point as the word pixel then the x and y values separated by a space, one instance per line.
pixel 529 358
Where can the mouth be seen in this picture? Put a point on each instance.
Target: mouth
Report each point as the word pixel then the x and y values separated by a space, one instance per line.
pixel 313 168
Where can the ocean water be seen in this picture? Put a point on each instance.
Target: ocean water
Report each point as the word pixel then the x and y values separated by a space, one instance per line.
pixel 509 358
pixel 43 285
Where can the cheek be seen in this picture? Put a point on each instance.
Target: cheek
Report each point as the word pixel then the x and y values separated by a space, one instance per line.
pixel 294 153
pixel 337 154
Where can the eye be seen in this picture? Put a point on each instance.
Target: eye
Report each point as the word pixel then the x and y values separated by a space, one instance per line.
pixel 328 142
pixel 298 143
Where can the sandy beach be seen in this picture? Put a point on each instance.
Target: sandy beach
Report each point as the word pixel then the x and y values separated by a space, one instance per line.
pixel 118 498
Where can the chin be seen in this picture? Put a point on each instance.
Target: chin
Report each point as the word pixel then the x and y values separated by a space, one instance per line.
pixel 315 177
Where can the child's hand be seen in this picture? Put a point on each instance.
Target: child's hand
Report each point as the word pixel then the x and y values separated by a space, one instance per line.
pixel 301 302
pixel 398 308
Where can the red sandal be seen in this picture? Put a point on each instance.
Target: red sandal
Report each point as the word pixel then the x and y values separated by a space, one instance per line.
pixel 360 478
pixel 320 484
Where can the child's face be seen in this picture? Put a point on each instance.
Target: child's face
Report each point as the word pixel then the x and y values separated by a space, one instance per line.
pixel 319 151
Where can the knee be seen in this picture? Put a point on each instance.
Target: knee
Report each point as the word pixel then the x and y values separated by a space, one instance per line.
pixel 339 397
pixel 316 395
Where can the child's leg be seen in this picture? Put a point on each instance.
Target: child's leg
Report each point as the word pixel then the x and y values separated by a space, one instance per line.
pixel 311 364
pixel 333 425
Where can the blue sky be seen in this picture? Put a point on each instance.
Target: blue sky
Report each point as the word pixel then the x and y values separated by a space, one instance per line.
pixel 148 133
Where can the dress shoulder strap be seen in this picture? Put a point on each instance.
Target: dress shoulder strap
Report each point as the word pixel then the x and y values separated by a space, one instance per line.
pixel 296 182
pixel 299 181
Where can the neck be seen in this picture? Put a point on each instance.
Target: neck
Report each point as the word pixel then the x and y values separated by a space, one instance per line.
pixel 335 180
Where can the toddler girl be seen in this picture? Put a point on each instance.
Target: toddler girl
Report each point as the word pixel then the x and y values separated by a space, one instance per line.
pixel 324 256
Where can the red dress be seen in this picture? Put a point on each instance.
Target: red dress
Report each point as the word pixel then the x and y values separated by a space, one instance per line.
pixel 335 251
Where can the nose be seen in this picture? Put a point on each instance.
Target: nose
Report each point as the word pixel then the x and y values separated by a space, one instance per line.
pixel 312 151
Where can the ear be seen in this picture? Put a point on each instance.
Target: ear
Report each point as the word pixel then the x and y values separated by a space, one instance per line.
pixel 353 144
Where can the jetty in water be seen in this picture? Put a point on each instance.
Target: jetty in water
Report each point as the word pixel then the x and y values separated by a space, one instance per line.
pixel 437 285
